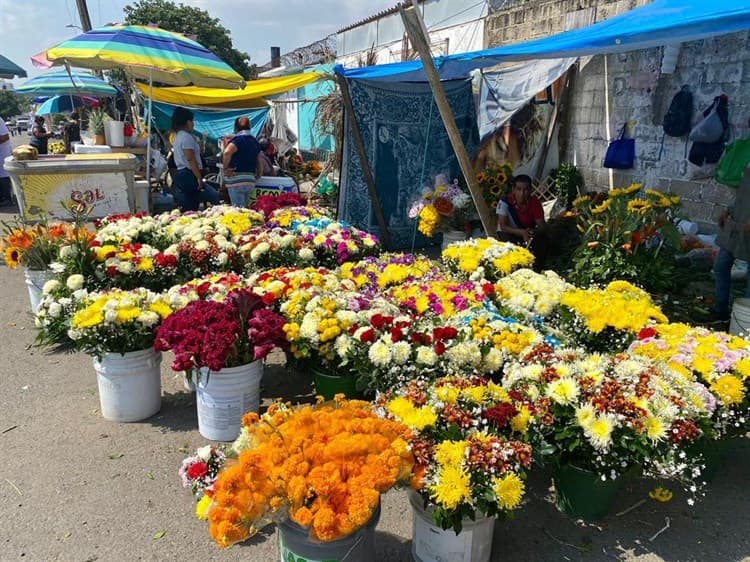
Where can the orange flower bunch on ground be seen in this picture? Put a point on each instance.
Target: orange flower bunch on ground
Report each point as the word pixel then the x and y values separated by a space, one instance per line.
pixel 33 246
pixel 323 466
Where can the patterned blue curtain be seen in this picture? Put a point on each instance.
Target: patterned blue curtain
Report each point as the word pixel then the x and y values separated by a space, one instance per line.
pixel 406 145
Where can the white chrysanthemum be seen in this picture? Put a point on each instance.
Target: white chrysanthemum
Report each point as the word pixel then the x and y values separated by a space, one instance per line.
pixel 110 315
pixel 67 252
pixel 49 286
pixel 222 258
pixel 125 267
pixel 599 431
pixel 585 415
pixel 308 329
pixel 148 318
pixel 628 368
pixel 380 354
pixel 401 352
pixel 259 250
pixel 493 361
pixel 656 428
pixel 306 254
pixel 74 282
pixel 171 250
pixel 202 245
pixel 55 309
pixel 563 391
pixel 465 354
pixel 426 356
pixel 79 294
pixel 57 267
pixel 343 345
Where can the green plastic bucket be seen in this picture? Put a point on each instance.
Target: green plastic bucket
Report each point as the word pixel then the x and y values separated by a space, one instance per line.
pixel 328 385
pixel 583 494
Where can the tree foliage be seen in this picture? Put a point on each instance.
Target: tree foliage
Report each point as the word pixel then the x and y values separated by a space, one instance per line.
pixel 190 21
pixel 11 104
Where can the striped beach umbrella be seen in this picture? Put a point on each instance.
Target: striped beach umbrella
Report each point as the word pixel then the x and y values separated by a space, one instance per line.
pixel 63 104
pixel 9 69
pixel 61 82
pixel 148 53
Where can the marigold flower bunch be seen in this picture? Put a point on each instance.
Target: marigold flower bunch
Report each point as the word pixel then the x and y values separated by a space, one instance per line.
pixel 322 467
pixel 485 259
pixel 610 413
pixel 33 246
pixel 443 208
pixel 389 351
pixel 607 319
pixel 468 441
pixel 216 334
pixel 291 217
pixel 330 243
pixel 528 295
pixel 112 321
pixel 719 360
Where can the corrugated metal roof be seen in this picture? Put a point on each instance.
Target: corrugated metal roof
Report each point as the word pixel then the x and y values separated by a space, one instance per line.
pixel 377 16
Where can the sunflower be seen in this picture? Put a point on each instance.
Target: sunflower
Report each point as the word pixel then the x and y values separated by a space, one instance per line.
pixel 496 189
pixel 13 256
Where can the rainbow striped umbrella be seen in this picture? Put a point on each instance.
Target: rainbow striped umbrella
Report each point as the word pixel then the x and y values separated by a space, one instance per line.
pixel 146 52
pixel 61 82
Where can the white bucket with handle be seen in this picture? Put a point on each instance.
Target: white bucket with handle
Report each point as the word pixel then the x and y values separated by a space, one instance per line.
pixel 739 323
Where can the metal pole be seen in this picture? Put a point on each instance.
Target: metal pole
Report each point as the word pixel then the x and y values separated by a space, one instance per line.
pixel 415 28
pixel 148 127
pixel 385 237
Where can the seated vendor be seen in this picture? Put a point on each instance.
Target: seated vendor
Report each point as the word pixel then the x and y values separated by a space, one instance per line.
pixel 519 219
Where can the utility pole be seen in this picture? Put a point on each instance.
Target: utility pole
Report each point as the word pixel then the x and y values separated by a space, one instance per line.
pixel 83 13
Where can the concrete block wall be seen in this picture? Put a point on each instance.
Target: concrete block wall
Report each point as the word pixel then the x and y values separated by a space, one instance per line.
pixel 639 95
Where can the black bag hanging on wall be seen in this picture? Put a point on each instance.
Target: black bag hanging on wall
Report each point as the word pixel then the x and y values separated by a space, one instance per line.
pixel 679 116
pixel 620 152
pixel 710 152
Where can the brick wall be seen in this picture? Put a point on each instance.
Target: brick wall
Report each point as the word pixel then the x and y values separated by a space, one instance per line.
pixel 638 95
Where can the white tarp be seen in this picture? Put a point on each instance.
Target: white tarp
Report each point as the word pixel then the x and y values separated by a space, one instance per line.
pixel 503 92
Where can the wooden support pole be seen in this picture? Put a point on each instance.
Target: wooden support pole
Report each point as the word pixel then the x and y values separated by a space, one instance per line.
pixel 415 29
pixel 557 112
pixel 385 237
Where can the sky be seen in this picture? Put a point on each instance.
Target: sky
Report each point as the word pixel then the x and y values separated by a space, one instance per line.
pixel 27 27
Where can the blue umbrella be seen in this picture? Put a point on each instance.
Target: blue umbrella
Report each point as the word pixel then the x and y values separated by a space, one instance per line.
pixel 60 82
pixel 63 104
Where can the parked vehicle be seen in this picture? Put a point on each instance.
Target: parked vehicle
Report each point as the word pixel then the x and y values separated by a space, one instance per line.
pixel 23 124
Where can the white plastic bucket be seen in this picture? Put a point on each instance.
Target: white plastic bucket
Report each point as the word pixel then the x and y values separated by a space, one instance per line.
pixel 114 133
pixel 430 543
pixel 295 544
pixel 739 322
pixel 142 196
pixel 129 385
pixel 35 280
pixel 224 396
pixel 452 236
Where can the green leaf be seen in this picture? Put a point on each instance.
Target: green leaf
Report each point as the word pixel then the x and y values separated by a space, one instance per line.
pixel 114 456
pixel 150 475
pixel 159 534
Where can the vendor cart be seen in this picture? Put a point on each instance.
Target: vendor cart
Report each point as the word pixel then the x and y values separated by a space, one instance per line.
pixel 102 183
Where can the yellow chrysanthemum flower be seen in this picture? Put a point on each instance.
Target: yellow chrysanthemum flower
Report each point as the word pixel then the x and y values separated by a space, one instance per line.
pixel 729 389
pixel 563 390
pixel 599 432
pixel 452 488
pixel 202 507
pixel 660 494
pixel 655 428
pixel 509 490
pixel 451 453
pixel 520 422
pixel 87 318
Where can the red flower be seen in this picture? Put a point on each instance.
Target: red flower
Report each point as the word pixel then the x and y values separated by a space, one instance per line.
pixel 368 336
pixel 646 333
pixel 500 414
pixel 439 348
pixel 197 470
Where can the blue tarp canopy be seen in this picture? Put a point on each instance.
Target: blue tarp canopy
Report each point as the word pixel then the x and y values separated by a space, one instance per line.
pixel 214 123
pixel 659 23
